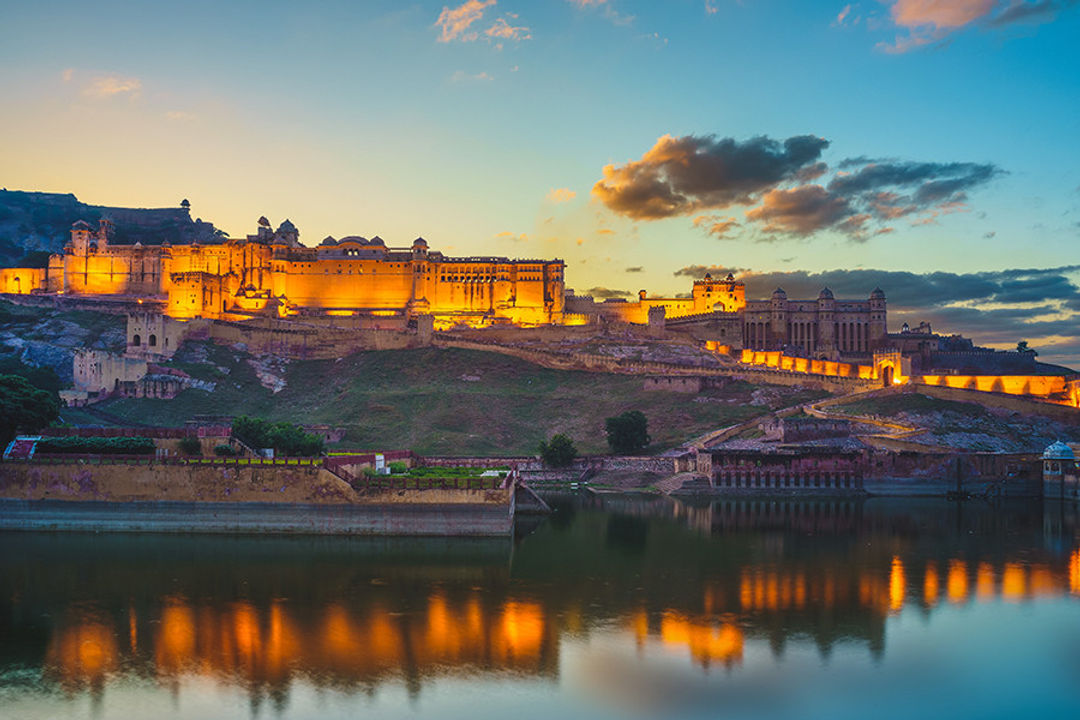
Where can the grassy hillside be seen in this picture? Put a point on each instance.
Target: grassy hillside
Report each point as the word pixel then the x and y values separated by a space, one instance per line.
pixel 450 401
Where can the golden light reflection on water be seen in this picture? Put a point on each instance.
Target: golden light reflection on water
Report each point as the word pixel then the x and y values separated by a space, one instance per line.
pixel 269 643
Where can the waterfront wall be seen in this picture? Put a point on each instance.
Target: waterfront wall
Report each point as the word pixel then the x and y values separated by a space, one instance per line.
pixel 398 519
pixel 273 498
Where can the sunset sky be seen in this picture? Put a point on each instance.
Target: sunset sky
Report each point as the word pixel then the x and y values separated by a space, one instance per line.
pixel 931 147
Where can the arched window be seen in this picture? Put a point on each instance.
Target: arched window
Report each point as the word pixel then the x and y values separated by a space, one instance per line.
pixel 152 341
pixel 136 340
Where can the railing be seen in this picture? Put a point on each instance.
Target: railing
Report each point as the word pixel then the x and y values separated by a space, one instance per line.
pixel 404 482
pixel 94 459
pixel 150 432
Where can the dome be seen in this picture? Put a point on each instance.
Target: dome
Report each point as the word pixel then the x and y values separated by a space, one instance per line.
pixel 353 239
pixel 263 222
pixel 286 227
pixel 708 276
pixel 419 242
pixel 80 225
pixel 877 294
pixel 730 278
pixel 377 241
pixel 328 241
pixel 825 294
pixel 1059 451
pixel 779 293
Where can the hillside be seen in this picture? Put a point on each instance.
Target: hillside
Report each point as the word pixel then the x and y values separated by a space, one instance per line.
pixel 438 401
pixel 33 221
pixel 962 425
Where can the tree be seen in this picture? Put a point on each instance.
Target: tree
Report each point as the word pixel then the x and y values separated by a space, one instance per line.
pixel 1022 347
pixel 190 445
pixel 285 438
pixel 559 452
pixel 627 434
pixel 24 408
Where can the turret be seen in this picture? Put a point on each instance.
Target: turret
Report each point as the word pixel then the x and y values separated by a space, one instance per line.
pixel 826 339
pixel 778 316
pixel 80 237
pixel 878 320
pixel 419 249
pixel 287 234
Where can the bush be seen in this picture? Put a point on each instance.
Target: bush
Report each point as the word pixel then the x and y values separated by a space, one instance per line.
pixel 627 434
pixel 224 450
pixel 190 446
pixel 286 438
pixel 24 408
pixel 96 445
pixel 558 453
pixel 397 467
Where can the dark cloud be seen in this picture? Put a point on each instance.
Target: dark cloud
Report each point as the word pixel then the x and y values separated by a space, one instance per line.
pixel 699 271
pixel 683 175
pixel 603 293
pixel 928 182
pixel 802 211
pixel 1040 304
pixel 1019 11
pixel 691 174
pixel 636 269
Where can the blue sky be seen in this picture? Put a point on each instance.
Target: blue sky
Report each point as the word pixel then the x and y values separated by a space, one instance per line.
pixel 488 133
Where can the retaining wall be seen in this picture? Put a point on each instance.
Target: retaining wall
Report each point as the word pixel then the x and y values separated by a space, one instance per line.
pixel 429 519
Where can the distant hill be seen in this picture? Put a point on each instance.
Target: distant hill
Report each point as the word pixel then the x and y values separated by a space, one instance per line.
pixel 35 221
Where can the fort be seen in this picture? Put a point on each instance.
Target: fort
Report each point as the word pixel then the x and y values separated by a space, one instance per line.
pixel 275 295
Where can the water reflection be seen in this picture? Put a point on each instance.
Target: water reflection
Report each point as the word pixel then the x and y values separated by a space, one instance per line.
pixel 702 583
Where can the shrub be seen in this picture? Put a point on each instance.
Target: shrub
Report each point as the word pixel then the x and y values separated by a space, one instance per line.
pixel 24 407
pixel 397 467
pixel 224 450
pixel 96 445
pixel 628 433
pixel 285 438
pixel 190 446
pixel 558 453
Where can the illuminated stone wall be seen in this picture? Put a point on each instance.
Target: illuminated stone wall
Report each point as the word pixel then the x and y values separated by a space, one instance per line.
pixel 271 273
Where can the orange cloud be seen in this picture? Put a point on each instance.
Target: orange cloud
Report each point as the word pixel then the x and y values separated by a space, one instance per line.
pixel 112 85
pixel 939 13
pixel 455 23
pixel 504 31
pixel 715 225
pixel 930 21
pixel 561 195
pixel 803 211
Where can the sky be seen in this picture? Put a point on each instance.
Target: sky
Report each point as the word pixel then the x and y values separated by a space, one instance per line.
pixel 931 147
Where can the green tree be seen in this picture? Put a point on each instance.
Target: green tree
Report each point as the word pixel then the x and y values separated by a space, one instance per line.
pixel 1022 347
pixel 190 445
pixel 559 452
pixel 628 433
pixel 24 408
pixel 285 438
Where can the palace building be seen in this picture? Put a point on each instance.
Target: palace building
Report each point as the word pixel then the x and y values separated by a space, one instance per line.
pixel 823 328
pixel 271 273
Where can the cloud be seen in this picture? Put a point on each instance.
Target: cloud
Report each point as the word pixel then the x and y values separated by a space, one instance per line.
pixel 455 23
pixel 691 174
pixel 996 307
pixel 716 225
pixel 67 74
pixel 560 195
pixel 503 30
pixel 603 293
pixel 928 22
pixel 512 237
pixel 678 176
pixel 460 76
pixel 107 86
pixel 802 211
pixel 699 271
pixel 587 3
pixel 635 269
pixel 844 18
pixel 711 8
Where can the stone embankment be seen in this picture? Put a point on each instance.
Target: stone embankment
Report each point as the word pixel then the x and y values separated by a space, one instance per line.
pixel 230 497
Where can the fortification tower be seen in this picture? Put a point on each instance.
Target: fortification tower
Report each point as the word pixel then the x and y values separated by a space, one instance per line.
pixel 778 319
pixel 421 267
pixel 80 237
pixel 878 321
pixel 826 339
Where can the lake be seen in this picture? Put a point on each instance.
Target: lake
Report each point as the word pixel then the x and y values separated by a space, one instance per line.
pixel 613 607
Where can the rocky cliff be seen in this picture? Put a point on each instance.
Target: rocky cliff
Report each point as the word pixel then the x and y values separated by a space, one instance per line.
pixel 35 221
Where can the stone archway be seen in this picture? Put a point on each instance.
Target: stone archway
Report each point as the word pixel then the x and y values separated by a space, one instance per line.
pixel 887 374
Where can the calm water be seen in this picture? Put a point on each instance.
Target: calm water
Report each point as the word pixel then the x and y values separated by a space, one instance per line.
pixel 610 609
